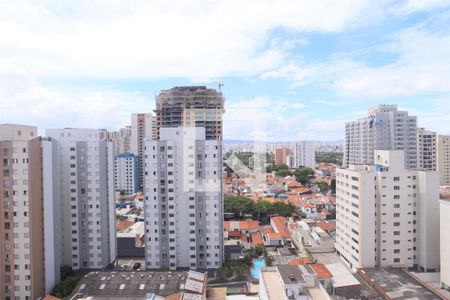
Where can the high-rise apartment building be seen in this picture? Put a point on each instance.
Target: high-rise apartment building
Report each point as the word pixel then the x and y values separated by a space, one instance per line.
pixel 304 154
pixel 426 150
pixel 28 269
pixel 120 139
pixel 85 179
pixel 283 155
pixel 126 173
pixel 445 242
pixel 183 200
pixel 386 214
pixel 443 159
pixel 191 106
pixel 143 127
pixel 385 128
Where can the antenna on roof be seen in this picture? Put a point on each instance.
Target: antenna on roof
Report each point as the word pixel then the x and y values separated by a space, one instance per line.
pixel 220 86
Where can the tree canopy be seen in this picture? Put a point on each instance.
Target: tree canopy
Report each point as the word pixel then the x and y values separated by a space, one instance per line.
pixel 241 206
pixel 330 157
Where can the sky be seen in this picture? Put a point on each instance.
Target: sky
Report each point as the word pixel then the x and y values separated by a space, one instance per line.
pixel 304 67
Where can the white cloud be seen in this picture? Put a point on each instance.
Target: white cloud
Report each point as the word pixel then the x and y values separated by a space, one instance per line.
pixel 422 67
pixel 157 39
pixel 24 100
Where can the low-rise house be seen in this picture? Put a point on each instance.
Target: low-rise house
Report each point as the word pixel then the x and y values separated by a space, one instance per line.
pixel 130 239
pixel 273 239
pixel 257 239
pixel 290 282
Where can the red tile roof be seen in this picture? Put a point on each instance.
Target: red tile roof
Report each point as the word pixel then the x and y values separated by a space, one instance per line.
pixel 280 226
pixel 257 239
pixel 249 225
pixel 274 236
pixel 177 296
pixel 244 238
pixel 234 233
pixel 243 225
pixel 321 271
pixel 226 225
pixel 266 230
pixel 301 261
pixel 124 224
pixel 326 226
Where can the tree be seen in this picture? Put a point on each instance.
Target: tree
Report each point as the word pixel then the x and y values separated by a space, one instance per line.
pixel 330 157
pixel 323 187
pixel 303 174
pixel 238 205
pixel 276 168
pixel 283 173
pixel 261 208
pixel 333 186
pixel 279 208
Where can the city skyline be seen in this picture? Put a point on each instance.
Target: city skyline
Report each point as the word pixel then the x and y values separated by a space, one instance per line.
pixel 69 70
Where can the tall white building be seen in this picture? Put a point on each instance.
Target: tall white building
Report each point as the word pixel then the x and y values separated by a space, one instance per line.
pixel 120 139
pixel 386 214
pixel 445 242
pixel 304 154
pixel 443 158
pixel 385 128
pixel 85 178
pixel 183 200
pixel 126 173
pixel 28 266
pixel 426 150
pixel 143 127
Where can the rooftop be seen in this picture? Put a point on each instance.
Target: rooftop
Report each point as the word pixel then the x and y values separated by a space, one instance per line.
pixel 130 285
pixel 272 284
pixel 342 277
pixel 290 274
pixel 398 285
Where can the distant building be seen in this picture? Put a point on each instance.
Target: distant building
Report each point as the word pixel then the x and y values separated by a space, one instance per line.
pixel 386 214
pixel 385 128
pixel 426 150
pixel 143 127
pixel 443 158
pixel 28 265
pixel 84 182
pixel 191 106
pixel 445 242
pixel 126 173
pixel 120 139
pixel 183 200
pixel 304 154
pixel 282 156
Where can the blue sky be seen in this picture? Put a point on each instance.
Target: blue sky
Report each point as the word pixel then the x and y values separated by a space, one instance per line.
pixel 305 67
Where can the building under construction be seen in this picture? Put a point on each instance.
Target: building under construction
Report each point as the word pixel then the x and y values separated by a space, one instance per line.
pixel 191 106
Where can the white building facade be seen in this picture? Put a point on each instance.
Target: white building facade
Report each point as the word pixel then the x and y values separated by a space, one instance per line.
pixel 386 214
pixel 85 178
pixel 126 173
pixel 385 128
pixel 443 157
pixel 183 200
pixel 445 243
pixel 304 154
pixel 426 150
pixel 143 127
